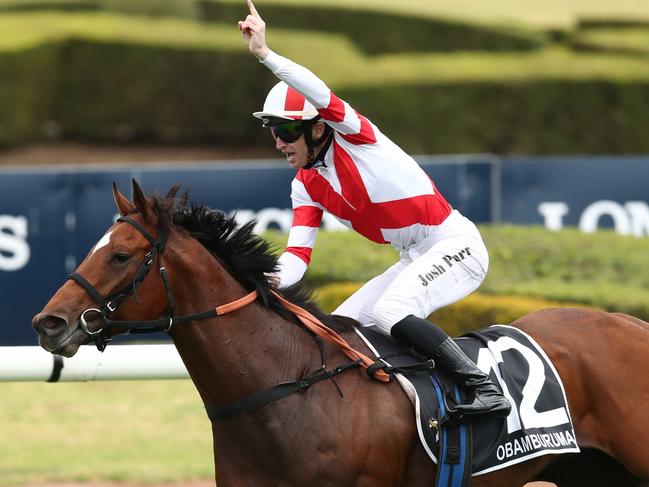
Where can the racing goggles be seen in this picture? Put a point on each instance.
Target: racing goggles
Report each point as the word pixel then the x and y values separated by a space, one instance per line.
pixel 289 132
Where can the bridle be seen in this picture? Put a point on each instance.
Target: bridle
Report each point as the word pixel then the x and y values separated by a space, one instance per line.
pixel 108 304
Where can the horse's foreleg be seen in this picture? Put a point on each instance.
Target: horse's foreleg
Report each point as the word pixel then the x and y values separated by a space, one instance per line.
pixel 420 469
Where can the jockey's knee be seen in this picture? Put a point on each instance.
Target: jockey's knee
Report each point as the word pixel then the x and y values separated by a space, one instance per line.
pixel 385 314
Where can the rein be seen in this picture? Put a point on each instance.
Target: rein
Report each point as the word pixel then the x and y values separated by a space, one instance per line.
pixel 327 334
pixel 107 305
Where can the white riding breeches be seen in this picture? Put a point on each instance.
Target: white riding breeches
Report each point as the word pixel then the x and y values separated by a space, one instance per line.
pixel 425 279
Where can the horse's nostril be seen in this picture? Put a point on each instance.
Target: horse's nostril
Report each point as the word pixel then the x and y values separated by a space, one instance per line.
pixel 50 324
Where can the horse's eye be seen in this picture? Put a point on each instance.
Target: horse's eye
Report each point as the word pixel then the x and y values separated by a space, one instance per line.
pixel 121 258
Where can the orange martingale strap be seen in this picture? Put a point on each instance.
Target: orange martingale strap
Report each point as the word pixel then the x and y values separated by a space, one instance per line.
pixel 236 304
pixel 327 334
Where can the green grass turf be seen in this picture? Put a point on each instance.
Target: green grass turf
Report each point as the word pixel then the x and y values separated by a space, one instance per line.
pixel 136 431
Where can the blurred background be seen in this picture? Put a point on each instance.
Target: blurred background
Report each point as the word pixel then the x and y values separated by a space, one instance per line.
pixel 531 117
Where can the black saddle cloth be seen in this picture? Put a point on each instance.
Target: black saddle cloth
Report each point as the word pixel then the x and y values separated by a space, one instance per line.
pixel 540 421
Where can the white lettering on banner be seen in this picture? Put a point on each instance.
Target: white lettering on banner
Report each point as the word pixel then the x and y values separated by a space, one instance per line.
pixel 632 218
pixel 14 249
pixel 553 214
pixel 639 214
pixel 280 219
pixel 592 214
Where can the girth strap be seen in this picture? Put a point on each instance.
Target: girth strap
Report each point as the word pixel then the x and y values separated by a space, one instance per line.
pixel 272 394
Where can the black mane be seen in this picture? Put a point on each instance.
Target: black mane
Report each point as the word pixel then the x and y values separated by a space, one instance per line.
pixel 247 256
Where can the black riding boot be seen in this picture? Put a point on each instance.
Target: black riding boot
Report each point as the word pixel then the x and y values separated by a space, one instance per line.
pixel 432 342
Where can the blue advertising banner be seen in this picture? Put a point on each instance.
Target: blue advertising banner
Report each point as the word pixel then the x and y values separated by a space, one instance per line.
pixel 584 192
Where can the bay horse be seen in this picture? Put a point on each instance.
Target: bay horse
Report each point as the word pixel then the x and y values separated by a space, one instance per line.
pixel 354 432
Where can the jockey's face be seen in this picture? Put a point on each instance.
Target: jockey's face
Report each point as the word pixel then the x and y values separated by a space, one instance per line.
pixel 297 152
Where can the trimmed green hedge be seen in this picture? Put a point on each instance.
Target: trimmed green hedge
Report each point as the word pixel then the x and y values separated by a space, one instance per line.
pixel 119 91
pixel 154 8
pixel 374 32
pixel 527 117
pixel 106 77
pixel 27 92
pixel 602 270
pixel 60 5
pixel 378 32
pixel 627 41
pixel 169 95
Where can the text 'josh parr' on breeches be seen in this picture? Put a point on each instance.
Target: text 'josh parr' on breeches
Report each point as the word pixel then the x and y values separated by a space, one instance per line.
pixel 439 269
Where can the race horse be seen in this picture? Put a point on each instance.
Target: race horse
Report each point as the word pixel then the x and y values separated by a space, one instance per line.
pixel 347 431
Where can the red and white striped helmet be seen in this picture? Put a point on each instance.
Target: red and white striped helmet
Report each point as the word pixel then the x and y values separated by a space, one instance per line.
pixel 283 102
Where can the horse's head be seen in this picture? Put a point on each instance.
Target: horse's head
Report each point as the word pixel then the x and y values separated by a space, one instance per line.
pixel 113 280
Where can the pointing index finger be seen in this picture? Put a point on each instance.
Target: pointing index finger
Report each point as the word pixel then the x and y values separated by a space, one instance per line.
pixel 253 10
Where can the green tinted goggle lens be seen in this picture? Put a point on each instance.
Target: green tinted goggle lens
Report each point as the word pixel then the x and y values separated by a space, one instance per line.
pixel 288 132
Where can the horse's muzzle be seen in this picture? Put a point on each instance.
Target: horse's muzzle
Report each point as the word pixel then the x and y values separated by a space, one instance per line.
pixel 57 335
pixel 49 325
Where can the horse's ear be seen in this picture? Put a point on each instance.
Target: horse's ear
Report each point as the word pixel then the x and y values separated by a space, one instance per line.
pixel 184 199
pixel 124 206
pixel 140 200
pixel 172 192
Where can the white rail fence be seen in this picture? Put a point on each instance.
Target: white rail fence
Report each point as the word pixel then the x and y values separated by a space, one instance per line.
pixel 117 362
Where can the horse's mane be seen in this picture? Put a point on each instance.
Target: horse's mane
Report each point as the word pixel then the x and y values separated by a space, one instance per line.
pixel 248 257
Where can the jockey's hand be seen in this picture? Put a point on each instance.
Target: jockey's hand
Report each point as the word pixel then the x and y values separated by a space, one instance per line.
pixel 254 32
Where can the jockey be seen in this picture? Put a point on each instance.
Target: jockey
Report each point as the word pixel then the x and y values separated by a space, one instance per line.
pixel 347 167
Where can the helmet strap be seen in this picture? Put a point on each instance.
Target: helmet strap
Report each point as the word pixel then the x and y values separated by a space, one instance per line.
pixel 311 143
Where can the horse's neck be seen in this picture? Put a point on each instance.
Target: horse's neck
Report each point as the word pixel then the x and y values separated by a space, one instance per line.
pixel 294 440
pixel 238 353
